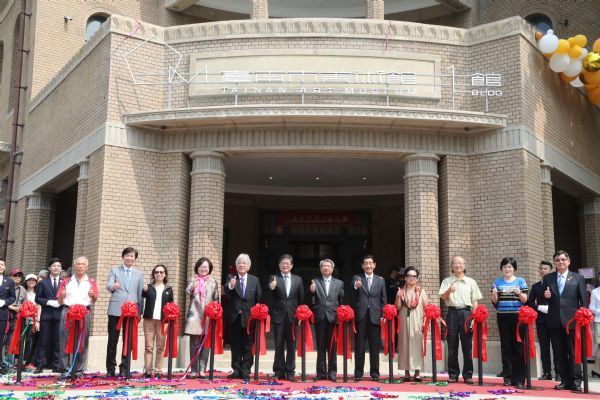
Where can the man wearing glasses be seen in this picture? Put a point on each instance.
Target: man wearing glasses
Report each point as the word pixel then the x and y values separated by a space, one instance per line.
pixel 565 291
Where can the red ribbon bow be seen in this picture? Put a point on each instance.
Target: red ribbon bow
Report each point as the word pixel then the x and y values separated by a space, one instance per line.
pixel 433 313
pixel 28 310
pixel 527 316
pixel 172 313
pixel 260 312
pixel 214 311
pixel 129 310
pixel 480 316
pixel 583 317
pixel 306 317
pixel 390 314
pixel 344 314
pixel 75 315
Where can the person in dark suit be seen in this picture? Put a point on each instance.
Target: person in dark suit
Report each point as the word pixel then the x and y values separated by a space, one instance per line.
pixel 391 284
pixel 7 297
pixel 288 292
pixel 243 292
pixel 370 297
pixel 329 295
pixel 566 292
pixel 538 302
pixel 48 342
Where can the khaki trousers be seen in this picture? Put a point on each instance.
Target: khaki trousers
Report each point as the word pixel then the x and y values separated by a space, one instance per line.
pixel 152 334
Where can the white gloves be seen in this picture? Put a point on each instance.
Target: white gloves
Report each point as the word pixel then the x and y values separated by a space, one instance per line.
pixel 543 309
pixel 53 303
pixel 2 303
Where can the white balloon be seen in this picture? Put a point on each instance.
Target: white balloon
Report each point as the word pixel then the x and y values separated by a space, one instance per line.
pixel 584 52
pixel 559 62
pixel 576 82
pixel 574 68
pixel 548 43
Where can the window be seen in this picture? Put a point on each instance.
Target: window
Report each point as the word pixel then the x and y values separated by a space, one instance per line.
pixel 540 22
pixel 93 24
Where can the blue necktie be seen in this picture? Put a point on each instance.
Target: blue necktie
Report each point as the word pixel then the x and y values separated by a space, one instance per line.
pixel 127 277
pixel 243 287
pixel 561 283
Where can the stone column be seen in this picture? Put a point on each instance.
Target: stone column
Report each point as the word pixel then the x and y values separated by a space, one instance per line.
pixel 375 9
pixel 39 230
pixel 591 233
pixel 206 209
pixel 547 212
pixel 82 195
pixel 260 9
pixel 421 220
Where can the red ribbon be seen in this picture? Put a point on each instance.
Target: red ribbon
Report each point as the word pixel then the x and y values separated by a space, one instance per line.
pixel 214 311
pixel 344 314
pixel 479 316
pixel 527 316
pixel 433 313
pixel 305 316
pixel 260 313
pixel 75 315
pixel 172 313
pixel 390 314
pixel 583 317
pixel 28 310
pixel 129 310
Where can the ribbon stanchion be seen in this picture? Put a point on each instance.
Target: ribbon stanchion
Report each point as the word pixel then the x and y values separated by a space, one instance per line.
pixel 583 340
pixel 432 315
pixel 214 335
pixel 345 314
pixel 28 310
pixel 129 316
pixel 75 329
pixel 480 332
pixel 527 317
pixel 304 316
pixel 75 324
pixel 389 329
pixel 260 314
pixel 171 312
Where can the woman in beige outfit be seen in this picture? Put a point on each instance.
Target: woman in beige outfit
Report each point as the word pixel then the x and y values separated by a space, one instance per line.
pixel 410 302
pixel 203 289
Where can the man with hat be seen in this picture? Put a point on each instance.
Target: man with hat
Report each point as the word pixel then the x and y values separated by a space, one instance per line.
pixel 13 310
pixel 7 297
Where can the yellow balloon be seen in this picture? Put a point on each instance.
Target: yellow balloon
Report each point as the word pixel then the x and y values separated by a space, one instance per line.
pixel 590 77
pixel 574 51
pixel 567 78
pixel 563 46
pixel 548 55
pixel 591 62
pixel 596 46
pixel 571 41
pixel 594 96
pixel 580 40
pixel 538 36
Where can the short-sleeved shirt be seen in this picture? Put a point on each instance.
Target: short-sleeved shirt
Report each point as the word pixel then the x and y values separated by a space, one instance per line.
pixel 508 301
pixel 467 292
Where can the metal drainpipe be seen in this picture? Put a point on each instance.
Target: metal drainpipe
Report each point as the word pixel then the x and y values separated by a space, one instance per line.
pixel 15 128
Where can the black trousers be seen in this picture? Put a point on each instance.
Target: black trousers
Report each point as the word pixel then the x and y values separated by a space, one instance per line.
pixel 570 373
pixel 367 331
pixel 513 361
pixel 456 331
pixel 543 334
pixel 241 347
pixel 284 342
pixel 111 346
pixel 48 354
pixel 326 360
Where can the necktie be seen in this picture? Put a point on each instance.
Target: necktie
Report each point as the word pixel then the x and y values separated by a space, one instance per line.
pixel 243 287
pixel 327 287
pixel 54 284
pixel 369 283
pixel 286 281
pixel 561 283
pixel 127 277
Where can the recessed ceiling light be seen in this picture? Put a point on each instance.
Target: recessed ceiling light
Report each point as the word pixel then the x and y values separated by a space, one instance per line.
pixel 270 178
pixel 317 178
pixel 364 178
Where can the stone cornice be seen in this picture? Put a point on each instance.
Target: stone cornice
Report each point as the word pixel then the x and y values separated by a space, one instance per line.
pixel 591 206
pixel 40 201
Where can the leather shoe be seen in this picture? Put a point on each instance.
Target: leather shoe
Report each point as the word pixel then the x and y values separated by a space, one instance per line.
pixel 469 381
pixel 519 386
pixel 562 386
pixel 546 376
pixel 500 374
pixel 576 388
pixel 147 375
pixel 38 370
pixel 245 377
pixel 110 374
pixel 375 378
pixel 595 374
pixel 507 382
pixel 57 370
pixel 234 375
pixel 357 378
pixel 292 378
pixel 452 379
pixel 320 378
pixel 332 378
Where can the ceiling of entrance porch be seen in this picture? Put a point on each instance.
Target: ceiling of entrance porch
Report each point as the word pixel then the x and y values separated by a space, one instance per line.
pixel 314 176
pixel 310 8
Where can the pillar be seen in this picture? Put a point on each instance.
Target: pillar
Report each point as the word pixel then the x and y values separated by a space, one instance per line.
pixel 80 213
pixel 207 199
pixel 260 9
pixel 39 229
pixel 547 212
pixel 591 233
pixel 421 220
pixel 375 9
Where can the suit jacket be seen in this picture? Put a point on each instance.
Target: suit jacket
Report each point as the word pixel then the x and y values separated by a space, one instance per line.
pixel 325 307
pixel 285 306
pixel 7 293
pixel 43 293
pixel 150 295
pixel 369 303
pixel 536 298
pixel 124 294
pixel 563 307
pixel 238 304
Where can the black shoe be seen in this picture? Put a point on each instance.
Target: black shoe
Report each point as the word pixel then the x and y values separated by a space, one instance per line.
pixel 276 376
pixel 375 378
pixel 595 374
pixel 38 370
pixel 507 382
pixel 357 378
pixel 519 386
pixel 320 377
pixel 562 386
pixel 452 379
pixel 147 375
pixel 122 373
pixel 468 381
pixel 57 371
pixel 110 374
pixel 292 378
pixel 500 374
pixel 245 377
pixel 64 376
pixel 234 375
pixel 576 387
pixel 546 376
pixel 158 375
pixel 332 378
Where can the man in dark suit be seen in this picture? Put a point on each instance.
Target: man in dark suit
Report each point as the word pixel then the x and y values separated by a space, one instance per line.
pixel 48 341
pixel 566 292
pixel 7 297
pixel 243 292
pixel 538 302
pixel 370 297
pixel 288 292
pixel 329 295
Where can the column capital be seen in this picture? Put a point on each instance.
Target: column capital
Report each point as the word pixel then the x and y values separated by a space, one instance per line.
pixel 590 206
pixel 375 9
pixel 40 201
pixel 83 169
pixel 422 164
pixel 546 176
pixel 259 9
pixel 207 162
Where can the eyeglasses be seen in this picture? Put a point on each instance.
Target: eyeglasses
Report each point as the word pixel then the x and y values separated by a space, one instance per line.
pixel 17 276
pixel 159 272
pixel 412 276
pixel 561 259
